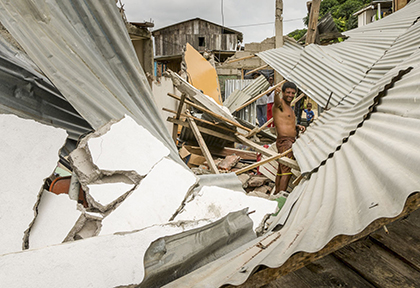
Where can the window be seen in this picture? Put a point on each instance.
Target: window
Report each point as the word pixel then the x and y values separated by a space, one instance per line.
pixel 201 41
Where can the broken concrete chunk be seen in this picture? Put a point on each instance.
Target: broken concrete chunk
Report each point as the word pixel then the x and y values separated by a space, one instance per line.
pixel 229 162
pixel 263 189
pixel 215 202
pixel 244 179
pixel 108 261
pixel 126 146
pixel 105 196
pixel 57 215
pixel 29 154
pixel 257 181
pixel 154 201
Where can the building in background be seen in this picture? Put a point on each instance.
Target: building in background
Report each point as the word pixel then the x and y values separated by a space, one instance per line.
pixel 201 34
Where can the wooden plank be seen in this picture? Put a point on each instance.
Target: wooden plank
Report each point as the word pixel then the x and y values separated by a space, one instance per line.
pixel 259 96
pixel 325 272
pixel 402 238
pixel 256 69
pixel 210 113
pixel 378 265
pixel 291 280
pixel 259 129
pixel 226 151
pixel 203 146
pixel 297 99
pixel 201 120
pixel 203 130
pixel 300 259
pixel 285 161
pixel 178 114
pixel 259 163
pixel 240 59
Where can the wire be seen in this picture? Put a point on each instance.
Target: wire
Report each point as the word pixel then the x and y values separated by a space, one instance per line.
pixel 266 23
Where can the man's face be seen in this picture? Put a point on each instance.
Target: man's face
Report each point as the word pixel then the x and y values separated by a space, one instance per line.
pixel 289 94
pixel 270 80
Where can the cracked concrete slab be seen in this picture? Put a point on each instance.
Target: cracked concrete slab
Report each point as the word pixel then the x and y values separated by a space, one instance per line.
pixel 105 261
pixel 154 201
pixel 213 202
pixel 106 195
pixel 57 216
pixel 29 154
pixel 126 146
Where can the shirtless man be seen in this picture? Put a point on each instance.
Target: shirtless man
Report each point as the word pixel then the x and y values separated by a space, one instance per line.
pixel 285 122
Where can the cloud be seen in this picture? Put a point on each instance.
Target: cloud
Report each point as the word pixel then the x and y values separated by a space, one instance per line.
pixel 243 13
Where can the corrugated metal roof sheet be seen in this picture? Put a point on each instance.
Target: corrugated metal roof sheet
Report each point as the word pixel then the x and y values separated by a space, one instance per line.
pixel 239 97
pixel 350 60
pixel 369 178
pixel 84 49
pixel 328 132
pixel 27 93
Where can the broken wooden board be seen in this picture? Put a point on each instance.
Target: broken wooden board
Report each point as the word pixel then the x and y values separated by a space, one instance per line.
pixel 201 74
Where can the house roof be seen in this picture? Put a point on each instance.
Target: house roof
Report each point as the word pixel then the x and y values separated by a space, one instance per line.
pixel 199 19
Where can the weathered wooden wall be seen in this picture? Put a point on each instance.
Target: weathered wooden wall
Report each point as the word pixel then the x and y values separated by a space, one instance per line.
pixel 170 41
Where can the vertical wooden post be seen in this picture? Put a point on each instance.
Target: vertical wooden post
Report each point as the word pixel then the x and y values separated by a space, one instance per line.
pixel 279 33
pixel 178 114
pixel 313 22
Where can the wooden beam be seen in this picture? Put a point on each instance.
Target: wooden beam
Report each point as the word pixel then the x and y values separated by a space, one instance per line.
pixel 200 120
pixel 259 96
pixel 256 69
pixel 203 146
pixel 259 163
pixel 203 130
pixel 240 59
pixel 178 114
pixel 297 99
pixel 257 130
pixel 301 259
pixel 267 152
pixel 313 22
pixel 211 113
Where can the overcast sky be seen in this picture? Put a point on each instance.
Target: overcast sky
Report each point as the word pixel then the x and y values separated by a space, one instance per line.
pixel 246 16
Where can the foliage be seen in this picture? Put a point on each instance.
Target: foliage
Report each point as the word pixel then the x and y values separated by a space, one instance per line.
pixel 297 34
pixel 341 11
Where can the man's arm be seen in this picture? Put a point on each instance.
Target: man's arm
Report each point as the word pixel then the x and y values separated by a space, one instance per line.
pixel 277 99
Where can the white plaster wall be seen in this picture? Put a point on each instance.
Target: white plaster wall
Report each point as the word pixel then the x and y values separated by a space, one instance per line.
pixel 160 92
pixel 28 154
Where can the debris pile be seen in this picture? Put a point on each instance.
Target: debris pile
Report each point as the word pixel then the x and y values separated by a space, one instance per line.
pixel 128 191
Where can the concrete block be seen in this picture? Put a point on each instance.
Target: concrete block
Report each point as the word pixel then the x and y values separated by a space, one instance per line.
pixel 57 215
pixel 214 202
pixel 154 201
pixel 97 262
pixel 28 154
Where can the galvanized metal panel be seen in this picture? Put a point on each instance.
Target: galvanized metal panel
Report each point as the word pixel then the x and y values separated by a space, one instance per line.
pixel 315 68
pixel 369 178
pixel 250 88
pixel 327 133
pixel 84 49
pixel 27 93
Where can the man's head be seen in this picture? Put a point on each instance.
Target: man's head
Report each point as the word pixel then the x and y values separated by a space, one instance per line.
pixel 309 106
pixel 270 80
pixel 288 85
pixel 288 90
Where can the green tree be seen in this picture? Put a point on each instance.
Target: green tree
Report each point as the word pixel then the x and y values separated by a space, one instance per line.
pixel 341 11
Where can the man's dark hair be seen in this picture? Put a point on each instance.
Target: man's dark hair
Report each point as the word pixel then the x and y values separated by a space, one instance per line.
pixel 288 85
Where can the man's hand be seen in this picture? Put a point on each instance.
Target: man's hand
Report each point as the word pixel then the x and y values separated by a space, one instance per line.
pixel 301 128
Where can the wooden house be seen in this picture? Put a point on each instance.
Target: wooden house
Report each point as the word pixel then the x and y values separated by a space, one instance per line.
pixel 203 35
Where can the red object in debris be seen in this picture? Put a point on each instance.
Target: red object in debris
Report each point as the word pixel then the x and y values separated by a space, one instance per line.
pixel 61 185
pixel 259 157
